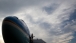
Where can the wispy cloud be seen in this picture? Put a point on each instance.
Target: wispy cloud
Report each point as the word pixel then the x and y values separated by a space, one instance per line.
pixel 52 20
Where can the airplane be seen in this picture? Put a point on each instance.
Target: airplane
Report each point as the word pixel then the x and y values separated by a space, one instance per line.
pixel 15 30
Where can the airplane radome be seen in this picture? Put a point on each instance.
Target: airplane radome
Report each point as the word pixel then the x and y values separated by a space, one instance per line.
pixel 15 30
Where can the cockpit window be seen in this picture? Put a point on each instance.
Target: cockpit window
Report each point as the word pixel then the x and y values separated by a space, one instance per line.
pixel 15 17
pixel 22 20
pixel 27 30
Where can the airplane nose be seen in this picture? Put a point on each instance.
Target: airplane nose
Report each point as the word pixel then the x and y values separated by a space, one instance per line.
pixel 13 31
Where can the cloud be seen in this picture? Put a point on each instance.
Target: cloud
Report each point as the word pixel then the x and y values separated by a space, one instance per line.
pixel 50 9
pixel 51 20
pixel 1 39
pixel 58 30
pixel 56 20
pixel 12 6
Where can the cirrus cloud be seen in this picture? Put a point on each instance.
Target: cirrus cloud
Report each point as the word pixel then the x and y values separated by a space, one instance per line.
pixel 50 20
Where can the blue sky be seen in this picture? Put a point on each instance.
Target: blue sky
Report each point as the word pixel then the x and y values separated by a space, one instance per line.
pixel 54 21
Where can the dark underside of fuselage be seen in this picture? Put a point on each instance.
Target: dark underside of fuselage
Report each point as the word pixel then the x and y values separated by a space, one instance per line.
pixel 12 33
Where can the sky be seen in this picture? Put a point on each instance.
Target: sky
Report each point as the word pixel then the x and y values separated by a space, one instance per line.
pixel 54 21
